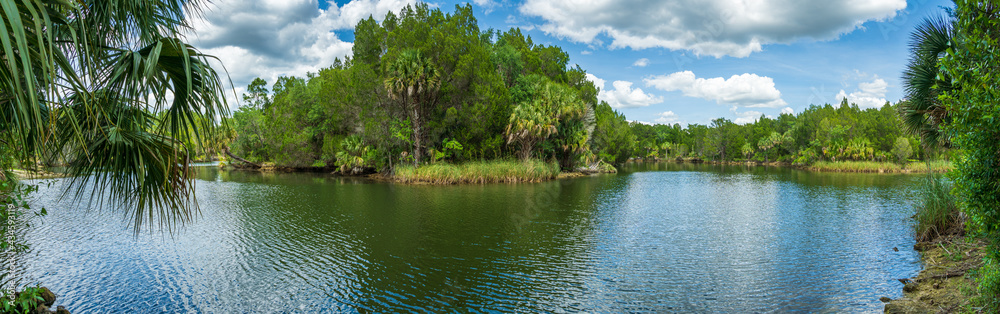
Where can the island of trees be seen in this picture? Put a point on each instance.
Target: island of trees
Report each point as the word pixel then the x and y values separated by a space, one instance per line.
pixel 429 88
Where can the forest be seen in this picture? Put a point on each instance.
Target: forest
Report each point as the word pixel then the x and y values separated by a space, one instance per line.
pixel 425 86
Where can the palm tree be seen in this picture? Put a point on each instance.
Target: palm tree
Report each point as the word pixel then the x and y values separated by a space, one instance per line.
pixel 414 81
pixel 922 113
pixel 114 83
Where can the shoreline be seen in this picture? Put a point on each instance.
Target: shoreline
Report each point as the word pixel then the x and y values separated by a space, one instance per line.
pixel 946 283
pixel 842 167
pixel 837 166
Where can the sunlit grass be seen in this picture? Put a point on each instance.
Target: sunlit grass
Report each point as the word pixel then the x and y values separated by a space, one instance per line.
pixel 875 166
pixel 937 212
pixel 494 171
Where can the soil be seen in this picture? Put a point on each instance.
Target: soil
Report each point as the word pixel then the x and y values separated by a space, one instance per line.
pixel 944 286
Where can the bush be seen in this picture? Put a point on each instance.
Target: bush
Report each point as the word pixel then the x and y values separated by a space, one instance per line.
pixel 937 212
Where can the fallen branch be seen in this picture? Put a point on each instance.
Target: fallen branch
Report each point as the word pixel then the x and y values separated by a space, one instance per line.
pixel 226 149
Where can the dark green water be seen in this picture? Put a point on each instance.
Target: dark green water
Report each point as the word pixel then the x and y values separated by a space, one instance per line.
pixel 654 238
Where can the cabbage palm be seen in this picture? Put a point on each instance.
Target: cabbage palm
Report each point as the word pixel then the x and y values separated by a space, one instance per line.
pixel 922 112
pixel 414 81
pixel 114 83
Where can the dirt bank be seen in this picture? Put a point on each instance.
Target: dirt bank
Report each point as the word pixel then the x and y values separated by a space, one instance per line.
pixel 945 285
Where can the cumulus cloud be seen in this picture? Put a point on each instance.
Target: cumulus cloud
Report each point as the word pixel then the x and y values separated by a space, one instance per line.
pixel 868 94
pixel 269 38
pixel 744 90
pixel 641 62
pixel 667 117
pixel 623 95
pixel 745 116
pixel 787 110
pixel 707 27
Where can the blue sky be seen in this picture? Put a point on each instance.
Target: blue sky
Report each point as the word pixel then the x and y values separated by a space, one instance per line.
pixel 682 61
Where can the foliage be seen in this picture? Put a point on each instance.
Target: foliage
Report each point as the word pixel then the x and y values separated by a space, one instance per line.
pixel 76 76
pixel 21 302
pixel 922 113
pixel 819 133
pixel 425 81
pixel 937 212
pixel 902 150
pixel 975 129
pixel 355 155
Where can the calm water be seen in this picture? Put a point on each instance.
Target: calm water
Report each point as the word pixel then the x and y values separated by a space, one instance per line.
pixel 655 238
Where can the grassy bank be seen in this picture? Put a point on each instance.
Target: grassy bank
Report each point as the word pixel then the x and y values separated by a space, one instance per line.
pixel 493 171
pixel 947 284
pixel 879 167
pixel 952 261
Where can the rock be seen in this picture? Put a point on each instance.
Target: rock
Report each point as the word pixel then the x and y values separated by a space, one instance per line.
pixel 48 296
pixel 62 310
pixel 41 309
pixel 884 299
pixel 910 287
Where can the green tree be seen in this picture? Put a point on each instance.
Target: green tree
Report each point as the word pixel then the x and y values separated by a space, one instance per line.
pixel 973 107
pixel 535 120
pixel 78 74
pixel 923 113
pixel 413 81
pixel 902 150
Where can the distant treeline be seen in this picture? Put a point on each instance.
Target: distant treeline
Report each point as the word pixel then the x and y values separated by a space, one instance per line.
pixel 819 133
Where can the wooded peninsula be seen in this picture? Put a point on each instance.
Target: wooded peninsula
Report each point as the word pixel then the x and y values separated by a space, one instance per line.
pixel 432 89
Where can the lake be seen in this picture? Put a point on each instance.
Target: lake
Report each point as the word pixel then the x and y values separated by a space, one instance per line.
pixel 653 238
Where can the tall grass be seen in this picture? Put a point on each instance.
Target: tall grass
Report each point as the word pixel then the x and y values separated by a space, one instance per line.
pixel 937 213
pixel 493 171
pixel 876 166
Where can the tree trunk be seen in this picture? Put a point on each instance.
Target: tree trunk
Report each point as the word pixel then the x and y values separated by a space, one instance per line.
pixel 417 135
pixel 240 159
pixel 525 150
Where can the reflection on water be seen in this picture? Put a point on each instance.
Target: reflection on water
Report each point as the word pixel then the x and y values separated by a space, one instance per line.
pixel 654 238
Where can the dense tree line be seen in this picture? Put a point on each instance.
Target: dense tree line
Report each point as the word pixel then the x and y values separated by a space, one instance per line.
pixel 819 133
pixel 426 86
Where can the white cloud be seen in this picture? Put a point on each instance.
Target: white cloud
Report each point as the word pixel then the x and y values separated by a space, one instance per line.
pixel 745 90
pixel 268 39
pixel 868 94
pixel 487 5
pixel 787 110
pixel 586 52
pixel 623 96
pixel 667 117
pixel 707 27
pixel 746 116
pixel 641 62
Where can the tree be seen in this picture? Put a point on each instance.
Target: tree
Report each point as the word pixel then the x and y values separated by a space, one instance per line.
pixel 534 120
pixel 923 113
pixel 413 80
pixel 257 96
pixel 747 150
pixel 973 107
pixel 78 74
pixel 902 150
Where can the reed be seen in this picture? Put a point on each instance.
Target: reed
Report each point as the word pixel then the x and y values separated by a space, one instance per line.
pixel 493 171
pixel 881 167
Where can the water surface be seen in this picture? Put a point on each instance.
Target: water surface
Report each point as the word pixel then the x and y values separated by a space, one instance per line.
pixel 654 238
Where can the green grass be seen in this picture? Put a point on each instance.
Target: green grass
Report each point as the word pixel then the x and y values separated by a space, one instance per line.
pixel 937 212
pixel 875 166
pixel 494 171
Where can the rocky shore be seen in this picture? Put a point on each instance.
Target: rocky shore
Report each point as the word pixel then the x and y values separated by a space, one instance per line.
pixel 945 285
pixel 48 298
